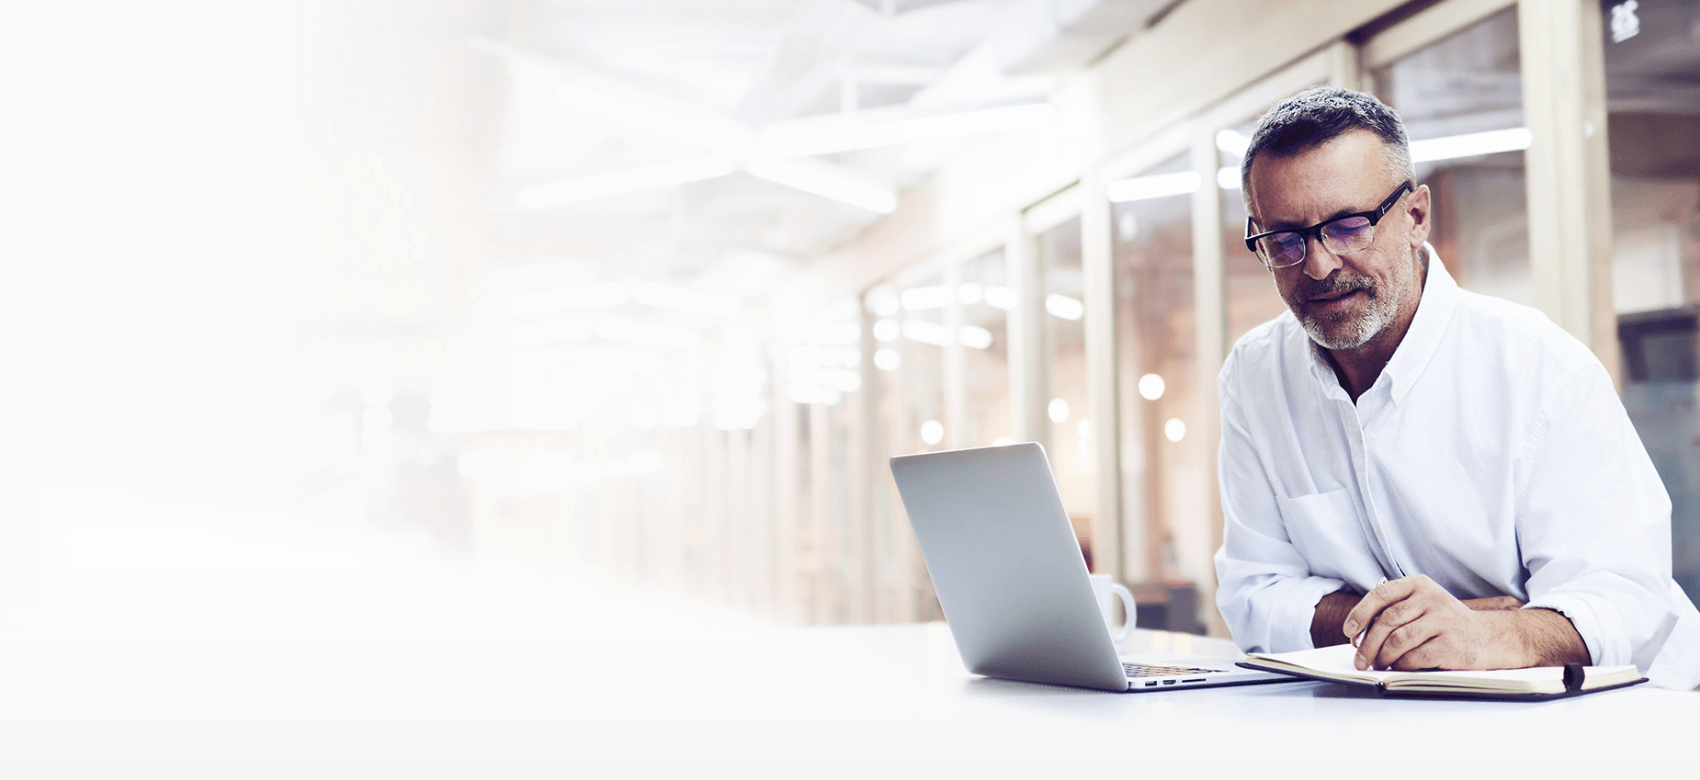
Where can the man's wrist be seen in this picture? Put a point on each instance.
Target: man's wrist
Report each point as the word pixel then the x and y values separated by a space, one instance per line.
pixel 1330 615
pixel 1536 636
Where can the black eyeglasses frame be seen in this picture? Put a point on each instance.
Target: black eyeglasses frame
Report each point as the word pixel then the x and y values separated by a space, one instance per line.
pixel 1315 231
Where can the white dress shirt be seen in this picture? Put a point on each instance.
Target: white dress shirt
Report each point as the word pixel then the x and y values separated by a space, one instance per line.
pixel 1492 454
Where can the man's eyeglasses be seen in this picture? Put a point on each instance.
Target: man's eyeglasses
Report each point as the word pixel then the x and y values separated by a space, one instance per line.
pixel 1342 235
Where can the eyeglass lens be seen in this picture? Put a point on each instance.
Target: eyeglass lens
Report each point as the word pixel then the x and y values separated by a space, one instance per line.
pixel 1342 236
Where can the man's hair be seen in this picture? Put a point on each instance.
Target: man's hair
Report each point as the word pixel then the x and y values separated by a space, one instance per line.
pixel 1318 115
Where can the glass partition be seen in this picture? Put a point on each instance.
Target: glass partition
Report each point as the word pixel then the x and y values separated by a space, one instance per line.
pixel 986 299
pixel 1162 467
pixel 1252 297
pixel 1070 447
pixel 1462 102
pixel 1652 69
pixel 910 335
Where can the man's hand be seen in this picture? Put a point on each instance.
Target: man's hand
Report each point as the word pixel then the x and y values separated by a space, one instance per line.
pixel 1331 612
pixel 1415 624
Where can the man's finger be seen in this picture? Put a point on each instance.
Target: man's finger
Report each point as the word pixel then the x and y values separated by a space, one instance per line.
pixel 1391 618
pixel 1423 656
pixel 1405 640
pixel 1373 602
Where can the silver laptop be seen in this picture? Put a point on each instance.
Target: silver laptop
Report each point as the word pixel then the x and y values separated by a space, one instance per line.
pixel 1012 581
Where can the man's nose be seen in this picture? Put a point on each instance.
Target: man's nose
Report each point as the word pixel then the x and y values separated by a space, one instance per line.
pixel 1319 262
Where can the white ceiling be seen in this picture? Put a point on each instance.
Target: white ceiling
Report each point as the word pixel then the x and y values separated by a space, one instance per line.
pixel 752 64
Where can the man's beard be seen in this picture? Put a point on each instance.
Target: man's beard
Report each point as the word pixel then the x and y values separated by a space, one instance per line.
pixel 1350 330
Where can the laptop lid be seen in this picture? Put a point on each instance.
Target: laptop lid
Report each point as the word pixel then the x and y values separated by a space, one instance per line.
pixel 1006 565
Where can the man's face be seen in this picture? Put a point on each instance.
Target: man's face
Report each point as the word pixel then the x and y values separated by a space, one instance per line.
pixel 1344 301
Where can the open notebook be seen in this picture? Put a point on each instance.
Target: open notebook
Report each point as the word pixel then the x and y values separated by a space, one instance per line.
pixel 1334 664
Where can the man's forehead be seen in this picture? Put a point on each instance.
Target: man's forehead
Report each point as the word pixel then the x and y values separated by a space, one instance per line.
pixel 1335 176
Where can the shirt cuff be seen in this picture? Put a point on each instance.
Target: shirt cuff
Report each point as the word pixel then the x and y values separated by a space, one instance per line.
pixel 1586 623
pixel 1291 630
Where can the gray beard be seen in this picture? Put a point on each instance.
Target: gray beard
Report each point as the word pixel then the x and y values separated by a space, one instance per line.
pixel 1377 316
pixel 1382 309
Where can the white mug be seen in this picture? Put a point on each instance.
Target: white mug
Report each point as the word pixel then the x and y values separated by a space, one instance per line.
pixel 1106 590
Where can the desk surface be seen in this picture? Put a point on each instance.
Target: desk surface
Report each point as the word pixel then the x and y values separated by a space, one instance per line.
pixel 746 701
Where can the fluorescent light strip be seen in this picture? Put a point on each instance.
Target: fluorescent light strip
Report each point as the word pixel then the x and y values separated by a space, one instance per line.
pixel 1232 142
pixel 1065 307
pixel 1000 297
pixel 1151 187
pixel 648 177
pixel 1451 147
pixel 1164 185
pixel 828 181
pixel 975 337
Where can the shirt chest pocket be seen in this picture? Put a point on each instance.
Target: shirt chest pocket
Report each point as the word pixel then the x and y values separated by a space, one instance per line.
pixel 1325 529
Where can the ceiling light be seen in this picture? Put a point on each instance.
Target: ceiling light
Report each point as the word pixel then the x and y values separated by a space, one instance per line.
pixel 975 337
pixel 828 181
pixel 620 182
pixel 1057 410
pixel 1164 185
pixel 1149 187
pixel 1070 309
pixel 884 303
pixel 1232 142
pixel 1228 179
pixel 1000 297
pixel 1151 387
pixel 1450 147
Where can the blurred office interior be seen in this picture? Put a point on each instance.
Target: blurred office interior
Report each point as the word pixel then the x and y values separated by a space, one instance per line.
pixel 647 291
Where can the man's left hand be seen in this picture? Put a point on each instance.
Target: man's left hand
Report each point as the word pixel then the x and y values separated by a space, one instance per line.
pixel 1415 624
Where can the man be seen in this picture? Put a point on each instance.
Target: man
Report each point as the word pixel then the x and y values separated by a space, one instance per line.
pixel 1447 479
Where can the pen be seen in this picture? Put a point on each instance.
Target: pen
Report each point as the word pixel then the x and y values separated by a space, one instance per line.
pixel 1359 639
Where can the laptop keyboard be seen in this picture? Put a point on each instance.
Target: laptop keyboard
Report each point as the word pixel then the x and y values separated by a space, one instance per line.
pixel 1150 670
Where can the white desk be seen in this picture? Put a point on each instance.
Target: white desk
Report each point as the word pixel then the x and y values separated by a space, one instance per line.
pixel 876 701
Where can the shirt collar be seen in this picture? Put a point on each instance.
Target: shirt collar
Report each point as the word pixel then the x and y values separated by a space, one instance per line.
pixel 1434 312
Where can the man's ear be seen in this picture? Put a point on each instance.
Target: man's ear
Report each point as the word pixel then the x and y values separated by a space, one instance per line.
pixel 1419 212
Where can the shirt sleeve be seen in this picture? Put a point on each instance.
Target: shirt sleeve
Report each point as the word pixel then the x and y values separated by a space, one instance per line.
pixel 1594 531
pixel 1265 590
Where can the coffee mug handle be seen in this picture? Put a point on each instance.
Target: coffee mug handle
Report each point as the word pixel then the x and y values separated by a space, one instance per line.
pixel 1126 596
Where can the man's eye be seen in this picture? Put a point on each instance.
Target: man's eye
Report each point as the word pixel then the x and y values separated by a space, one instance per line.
pixel 1347 227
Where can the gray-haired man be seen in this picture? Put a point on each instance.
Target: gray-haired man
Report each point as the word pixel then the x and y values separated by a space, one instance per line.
pixel 1448 475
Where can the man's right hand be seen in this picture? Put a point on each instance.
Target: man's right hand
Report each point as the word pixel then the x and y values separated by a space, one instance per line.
pixel 1331 612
